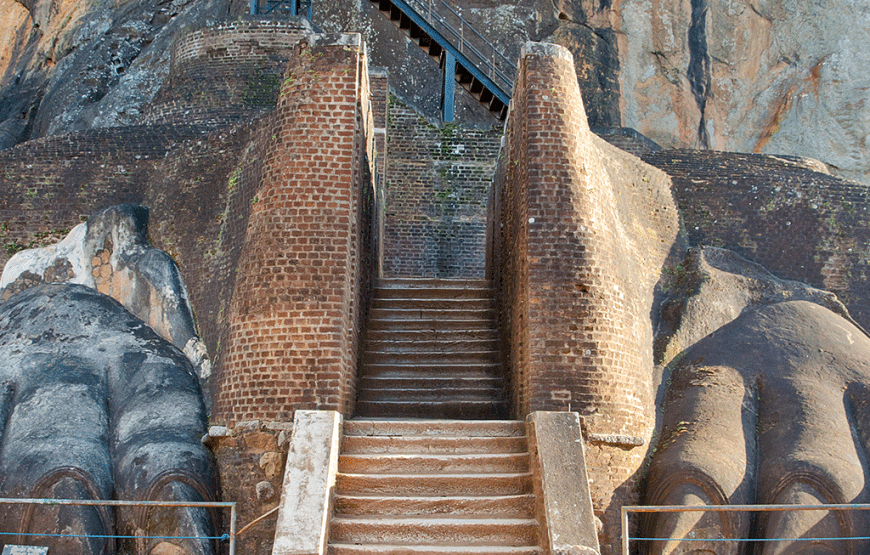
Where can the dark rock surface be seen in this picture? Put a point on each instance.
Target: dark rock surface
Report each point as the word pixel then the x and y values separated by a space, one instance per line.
pixel 96 405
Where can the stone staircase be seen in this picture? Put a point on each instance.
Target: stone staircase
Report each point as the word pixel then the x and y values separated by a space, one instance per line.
pixel 431 352
pixel 432 488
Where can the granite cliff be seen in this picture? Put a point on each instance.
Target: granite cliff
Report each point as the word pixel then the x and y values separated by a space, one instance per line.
pixel 748 76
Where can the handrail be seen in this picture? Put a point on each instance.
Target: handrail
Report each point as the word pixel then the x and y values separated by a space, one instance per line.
pixel 498 65
pixel 626 509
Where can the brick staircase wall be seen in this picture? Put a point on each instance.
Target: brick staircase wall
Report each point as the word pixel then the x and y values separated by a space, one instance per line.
pixel 294 319
pixel 437 181
pixel 580 233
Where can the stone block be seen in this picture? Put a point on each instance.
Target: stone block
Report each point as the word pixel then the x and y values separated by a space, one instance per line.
pixel 309 479
pixel 560 464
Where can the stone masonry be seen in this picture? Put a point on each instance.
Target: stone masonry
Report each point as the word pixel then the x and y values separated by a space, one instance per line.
pixel 580 233
pixel 295 315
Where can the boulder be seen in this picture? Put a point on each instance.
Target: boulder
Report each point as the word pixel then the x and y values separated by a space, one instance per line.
pixel 96 405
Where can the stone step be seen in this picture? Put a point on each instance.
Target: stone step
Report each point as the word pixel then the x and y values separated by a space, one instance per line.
pixel 424 358
pixel 505 506
pixel 428 381
pixel 448 303
pixel 498 463
pixel 421 395
pixel 468 410
pixel 432 283
pixel 437 314
pixel 399 370
pixel 435 428
pixel 433 445
pixel 430 324
pixel 451 291
pixel 444 344
pixel 434 484
pixel 381 549
pixel 432 334
pixel 447 530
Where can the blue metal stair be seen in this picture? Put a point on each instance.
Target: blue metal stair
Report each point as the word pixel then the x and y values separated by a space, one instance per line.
pixel 462 52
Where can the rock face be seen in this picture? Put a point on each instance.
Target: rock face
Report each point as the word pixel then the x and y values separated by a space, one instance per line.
pixel 767 404
pixel 94 404
pixel 771 76
pixel 111 253
pixel 67 65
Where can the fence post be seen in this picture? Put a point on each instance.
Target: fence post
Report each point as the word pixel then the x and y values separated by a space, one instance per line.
pixel 624 530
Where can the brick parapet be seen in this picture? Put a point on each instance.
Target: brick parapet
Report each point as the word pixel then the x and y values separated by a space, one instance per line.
pixel 294 318
pixel 437 181
pixel 227 72
pixel 580 232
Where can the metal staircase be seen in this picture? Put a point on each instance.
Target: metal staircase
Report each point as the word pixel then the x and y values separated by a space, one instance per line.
pixel 465 56
pixel 460 50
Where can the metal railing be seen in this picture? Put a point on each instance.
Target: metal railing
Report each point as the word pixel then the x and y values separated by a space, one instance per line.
pixel 292 7
pixel 468 40
pixel 626 538
pixel 231 536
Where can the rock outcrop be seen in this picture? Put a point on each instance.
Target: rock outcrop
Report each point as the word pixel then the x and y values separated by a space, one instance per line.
pixel 765 402
pixel 95 405
pixel 111 253
pixel 774 77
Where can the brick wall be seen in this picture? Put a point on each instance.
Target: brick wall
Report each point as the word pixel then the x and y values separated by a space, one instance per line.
pixel 437 180
pixel 228 72
pixel 295 314
pixel 798 223
pixel 580 234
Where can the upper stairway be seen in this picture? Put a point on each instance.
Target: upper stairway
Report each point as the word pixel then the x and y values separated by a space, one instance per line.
pixel 431 351
pixel 466 57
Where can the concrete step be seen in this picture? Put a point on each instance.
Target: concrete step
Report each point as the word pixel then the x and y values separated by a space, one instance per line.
pixel 467 410
pixel 498 463
pixel 382 549
pixel 425 357
pixel 437 314
pixel 444 369
pixel 435 428
pixel 433 345
pixel 405 485
pixel 504 506
pixel 449 530
pixel 448 303
pixel 427 395
pixel 432 445
pixel 430 382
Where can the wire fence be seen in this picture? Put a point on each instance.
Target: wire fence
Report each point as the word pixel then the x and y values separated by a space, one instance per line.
pixel 626 510
pixel 229 537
